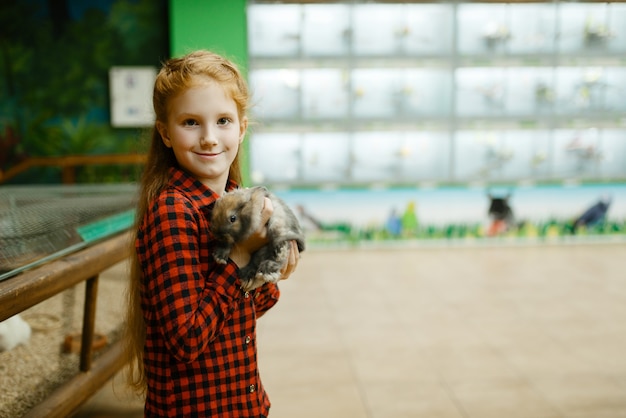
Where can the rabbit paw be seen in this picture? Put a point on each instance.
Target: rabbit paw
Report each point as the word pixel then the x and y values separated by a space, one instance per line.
pixel 269 271
pixel 252 284
pixel 221 255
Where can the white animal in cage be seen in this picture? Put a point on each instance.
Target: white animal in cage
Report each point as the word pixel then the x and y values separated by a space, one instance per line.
pixel 13 332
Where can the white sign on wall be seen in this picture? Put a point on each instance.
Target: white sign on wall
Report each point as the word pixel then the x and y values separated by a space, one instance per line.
pixel 131 96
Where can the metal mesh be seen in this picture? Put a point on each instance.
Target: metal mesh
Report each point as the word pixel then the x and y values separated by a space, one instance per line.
pixel 38 221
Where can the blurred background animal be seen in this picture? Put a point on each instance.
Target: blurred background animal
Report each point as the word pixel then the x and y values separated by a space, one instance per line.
pixel 594 215
pixel 237 214
pixel 13 332
pixel 501 215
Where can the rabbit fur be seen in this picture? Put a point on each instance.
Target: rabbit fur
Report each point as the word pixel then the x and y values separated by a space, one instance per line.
pixel 236 215
pixel 13 332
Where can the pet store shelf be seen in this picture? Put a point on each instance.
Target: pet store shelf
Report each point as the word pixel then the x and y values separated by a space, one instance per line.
pixel 438 93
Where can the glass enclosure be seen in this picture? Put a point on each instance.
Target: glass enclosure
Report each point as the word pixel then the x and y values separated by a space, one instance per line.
pixel 359 93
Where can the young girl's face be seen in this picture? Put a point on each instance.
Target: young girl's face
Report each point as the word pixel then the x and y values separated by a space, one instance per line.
pixel 204 131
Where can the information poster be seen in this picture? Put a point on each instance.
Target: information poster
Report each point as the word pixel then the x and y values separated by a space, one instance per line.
pixel 131 96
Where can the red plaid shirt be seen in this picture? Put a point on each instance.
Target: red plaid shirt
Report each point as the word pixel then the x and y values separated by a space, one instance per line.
pixel 200 353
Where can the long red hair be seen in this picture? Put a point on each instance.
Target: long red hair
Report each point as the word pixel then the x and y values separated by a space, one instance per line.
pixel 175 76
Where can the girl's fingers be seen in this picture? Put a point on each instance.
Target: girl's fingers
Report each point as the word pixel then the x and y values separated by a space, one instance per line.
pixel 292 260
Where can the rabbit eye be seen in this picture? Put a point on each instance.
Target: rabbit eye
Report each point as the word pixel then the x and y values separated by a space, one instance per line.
pixel 233 218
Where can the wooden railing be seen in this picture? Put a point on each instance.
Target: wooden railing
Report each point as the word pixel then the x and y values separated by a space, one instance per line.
pixel 69 163
pixel 31 287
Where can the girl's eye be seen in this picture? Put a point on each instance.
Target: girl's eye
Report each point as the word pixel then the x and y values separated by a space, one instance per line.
pixel 233 218
pixel 223 121
pixel 189 122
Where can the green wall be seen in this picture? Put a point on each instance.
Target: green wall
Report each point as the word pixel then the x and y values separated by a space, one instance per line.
pixel 216 25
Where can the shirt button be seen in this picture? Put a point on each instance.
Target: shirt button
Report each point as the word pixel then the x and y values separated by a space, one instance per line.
pixel 246 295
pixel 248 339
pixel 252 388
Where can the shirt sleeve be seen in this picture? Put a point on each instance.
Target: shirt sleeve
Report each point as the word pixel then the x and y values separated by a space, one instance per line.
pixel 265 298
pixel 189 307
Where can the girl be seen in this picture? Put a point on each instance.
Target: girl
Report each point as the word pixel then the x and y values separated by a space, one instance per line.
pixel 191 328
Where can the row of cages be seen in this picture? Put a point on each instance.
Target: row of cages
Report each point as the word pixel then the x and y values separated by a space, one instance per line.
pixel 436 29
pixel 437 157
pixel 389 93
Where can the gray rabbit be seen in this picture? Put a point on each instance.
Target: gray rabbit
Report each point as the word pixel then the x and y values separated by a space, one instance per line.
pixel 237 214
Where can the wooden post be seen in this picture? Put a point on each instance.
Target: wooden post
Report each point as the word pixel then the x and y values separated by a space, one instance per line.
pixel 68 174
pixel 89 323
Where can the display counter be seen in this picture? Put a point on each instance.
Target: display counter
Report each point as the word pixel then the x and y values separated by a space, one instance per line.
pixel 51 240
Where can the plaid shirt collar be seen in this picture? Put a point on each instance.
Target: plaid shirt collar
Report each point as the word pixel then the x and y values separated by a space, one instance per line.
pixel 194 189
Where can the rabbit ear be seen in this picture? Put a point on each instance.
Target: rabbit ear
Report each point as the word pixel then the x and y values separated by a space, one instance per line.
pixel 252 209
pixel 258 193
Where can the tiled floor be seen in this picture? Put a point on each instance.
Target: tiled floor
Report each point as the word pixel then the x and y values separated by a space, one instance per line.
pixel 513 332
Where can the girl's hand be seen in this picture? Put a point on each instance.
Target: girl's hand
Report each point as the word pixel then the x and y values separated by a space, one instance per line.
pixel 242 251
pixel 292 261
